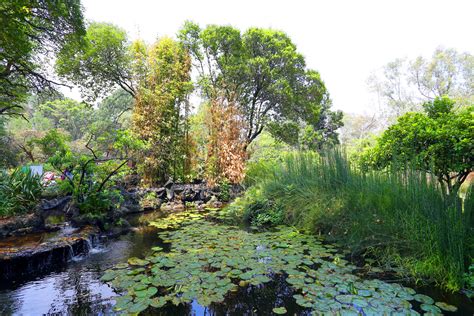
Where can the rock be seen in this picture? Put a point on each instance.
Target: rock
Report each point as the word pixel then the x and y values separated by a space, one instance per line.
pixel 19 225
pixel 57 204
pixel 30 261
pixel 169 194
pixel 161 193
pixel 168 184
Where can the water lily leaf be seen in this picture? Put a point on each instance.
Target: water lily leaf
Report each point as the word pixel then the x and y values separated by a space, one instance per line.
pixel 158 302
pixel 135 271
pixel 157 249
pixel 122 302
pixel 364 293
pixel 446 307
pixel 279 310
pixel 204 301
pixel 138 307
pixel 137 262
pixel 431 308
pixel 140 287
pixel 344 299
pixel 121 266
pixel 109 276
pixel 358 302
pixel 423 299
pixel 149 292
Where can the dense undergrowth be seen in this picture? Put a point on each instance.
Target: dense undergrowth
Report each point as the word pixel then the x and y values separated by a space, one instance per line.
pixel 400 218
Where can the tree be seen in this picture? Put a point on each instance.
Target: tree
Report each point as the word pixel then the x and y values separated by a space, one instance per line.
pixel 402 85
pixel 32 31
pixel 226 145
pixel 100 63
pixel 160 105
pixel 263 69
pixel 8 152
pixel 357 127
pixel 439 141
pixel 71 116
pixel 111 118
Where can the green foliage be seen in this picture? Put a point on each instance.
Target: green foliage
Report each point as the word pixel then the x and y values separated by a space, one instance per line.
pixel 160 113
pixel 440 142
pixel 32 31
pixel 89 180
pixel 73 117
pixel 260 211
pixel 100 62
pixel 224 191
pixel 469 279
pixel 20 191
pixel 400 217
pixel 266 73
pixel 95 204
pixel 8 153
pixel 54 141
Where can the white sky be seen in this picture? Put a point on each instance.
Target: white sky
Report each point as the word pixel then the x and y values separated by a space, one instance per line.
pixel 343 40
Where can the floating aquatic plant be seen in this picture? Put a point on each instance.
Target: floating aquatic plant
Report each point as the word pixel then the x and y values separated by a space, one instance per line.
pixel 208 260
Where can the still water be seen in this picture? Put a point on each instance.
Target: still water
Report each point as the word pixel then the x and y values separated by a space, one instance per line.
pixel 75 289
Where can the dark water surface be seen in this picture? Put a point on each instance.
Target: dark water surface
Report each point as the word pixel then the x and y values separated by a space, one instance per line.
pixel 76 289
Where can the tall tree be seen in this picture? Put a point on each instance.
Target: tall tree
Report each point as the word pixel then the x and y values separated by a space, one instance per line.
pixel 160 105
pixel 402 85
pixel 31 32
pixel 100 63
pixel 264 70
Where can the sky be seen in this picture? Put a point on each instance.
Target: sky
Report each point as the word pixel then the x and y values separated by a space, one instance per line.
pixel 344 40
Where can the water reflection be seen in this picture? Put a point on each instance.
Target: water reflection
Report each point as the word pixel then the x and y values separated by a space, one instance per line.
pixel 76 289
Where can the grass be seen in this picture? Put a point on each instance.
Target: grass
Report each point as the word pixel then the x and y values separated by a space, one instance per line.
pixel 401 218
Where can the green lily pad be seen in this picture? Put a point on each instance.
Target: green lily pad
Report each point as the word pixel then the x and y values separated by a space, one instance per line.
pixel 137 262
pixel 158 302
pixel 279 310
pixel 431 308
pixel 138 307
pixel 423 299
pixel 108 276
pixel 446 307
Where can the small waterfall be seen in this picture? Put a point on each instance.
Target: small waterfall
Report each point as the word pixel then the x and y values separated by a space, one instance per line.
pixel 70 252
pixel 89 245
pixel 94 245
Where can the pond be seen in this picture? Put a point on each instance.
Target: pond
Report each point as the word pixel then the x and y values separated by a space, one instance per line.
pixel 188 265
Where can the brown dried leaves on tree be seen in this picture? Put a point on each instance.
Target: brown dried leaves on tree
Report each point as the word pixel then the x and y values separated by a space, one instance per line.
pixel 226 145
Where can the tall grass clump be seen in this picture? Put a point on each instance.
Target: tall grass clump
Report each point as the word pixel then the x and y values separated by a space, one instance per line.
pixel 399 217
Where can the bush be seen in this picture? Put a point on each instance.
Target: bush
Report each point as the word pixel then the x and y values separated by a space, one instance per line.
pixel 97 203
pixel 89 180
pixel 400 217
pixel 20 191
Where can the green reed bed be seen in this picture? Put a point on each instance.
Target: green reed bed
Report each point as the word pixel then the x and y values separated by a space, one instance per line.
pixel 401 218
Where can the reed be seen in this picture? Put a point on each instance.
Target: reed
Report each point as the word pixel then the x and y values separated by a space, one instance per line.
pixel 399 217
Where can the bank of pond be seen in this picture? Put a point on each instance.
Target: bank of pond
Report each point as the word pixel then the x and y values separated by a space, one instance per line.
pixel 192 263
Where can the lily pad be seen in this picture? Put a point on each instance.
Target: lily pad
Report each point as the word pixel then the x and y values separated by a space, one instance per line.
pixel 431 308
pixel 446 307
pixel 423 299
pixel 137 262
pixel 279 310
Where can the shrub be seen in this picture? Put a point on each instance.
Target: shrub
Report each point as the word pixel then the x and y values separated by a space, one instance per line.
pixel 19 192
